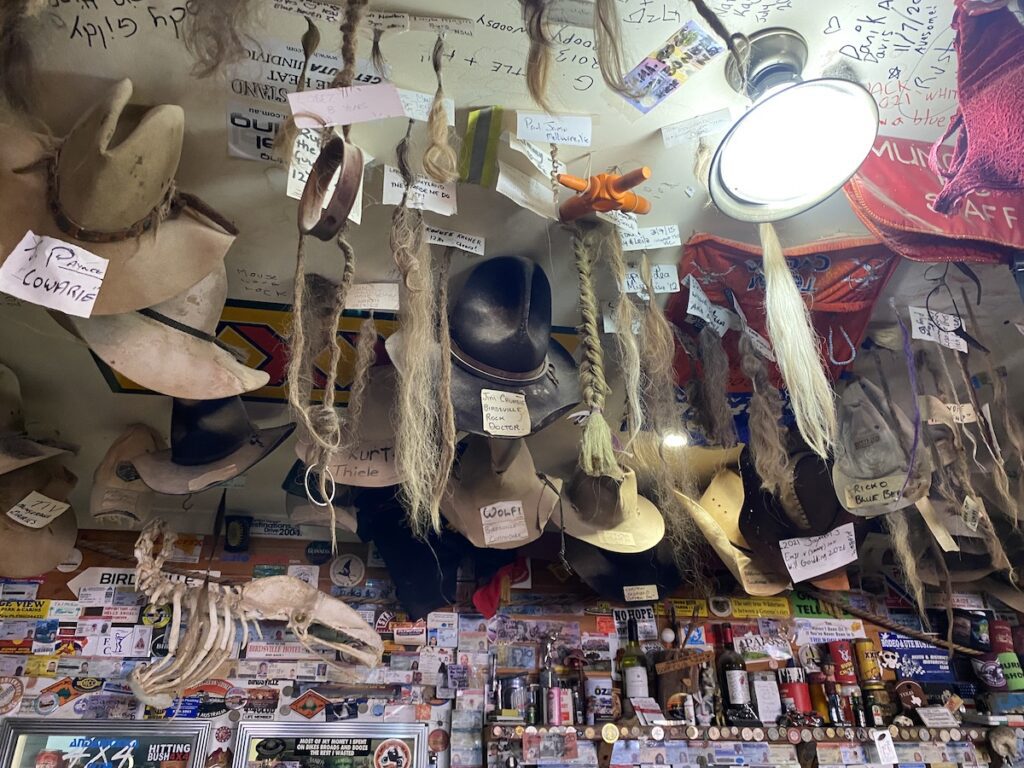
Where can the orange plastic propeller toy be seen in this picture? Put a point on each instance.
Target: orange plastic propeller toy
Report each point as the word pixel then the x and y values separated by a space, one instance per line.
pixel 604 192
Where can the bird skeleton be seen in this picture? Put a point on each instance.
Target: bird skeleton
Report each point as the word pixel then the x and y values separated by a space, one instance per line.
pixel 219 615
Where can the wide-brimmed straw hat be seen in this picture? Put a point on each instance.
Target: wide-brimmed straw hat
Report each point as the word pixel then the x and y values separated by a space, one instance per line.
pixel 16 449
pixel 172 348
pixel 496 498
pixel 212 441
pixel 611 514
pixel 26 550
pixel 500 328
pixel 108 187
pixel 118 496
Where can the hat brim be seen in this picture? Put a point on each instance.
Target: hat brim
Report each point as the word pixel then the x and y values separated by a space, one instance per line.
pixel 160 473
pixel 165 360
pixel 462 511
pixel 26 551
pixel 138 274
pixel 18 452
pixel 546 399
pixel 638 532
pixel 609 574
pixel 302 511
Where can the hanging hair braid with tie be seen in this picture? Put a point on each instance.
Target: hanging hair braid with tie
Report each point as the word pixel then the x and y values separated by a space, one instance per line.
pixel 439 161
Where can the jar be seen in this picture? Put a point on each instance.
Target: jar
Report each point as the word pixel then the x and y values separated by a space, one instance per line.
pixel 877 705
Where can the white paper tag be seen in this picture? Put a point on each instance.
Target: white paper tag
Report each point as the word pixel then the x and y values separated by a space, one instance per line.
pixel 874 493
pixel 304 154
pixel 539 158
pixel 367 296
pixel 417 105
pixel 885 748
pixel 387 21
pixel 426 194
pixel 460 240
pixel 921 327
pixel 761 345
pixel 972 511
pixel 345 106
pixel 699 305
pixel 53 274
pixel 813 556
pixel 640 593
pixel 650 238
pixel 626 223
pixel 617 538
pixel 962 413
pixel 526 191
pixel 937 717
pixel 442 25
pixel 608 320
pixel 694 128
pixel 503 522
pixel 576 13
pixel 37 510
pixel 505 413
pixel 571 130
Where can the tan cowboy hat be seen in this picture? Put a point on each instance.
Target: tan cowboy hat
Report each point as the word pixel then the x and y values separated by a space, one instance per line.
pixel 118 495
pixel 611 514
pixel 172 348
pixel 370 462
pixel 212 441
pixel 29 551
pixel 17 450
pixel 108 187
pixel 496 498
pixel 717 514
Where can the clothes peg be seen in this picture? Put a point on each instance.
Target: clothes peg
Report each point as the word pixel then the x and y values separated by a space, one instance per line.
pixel 604 192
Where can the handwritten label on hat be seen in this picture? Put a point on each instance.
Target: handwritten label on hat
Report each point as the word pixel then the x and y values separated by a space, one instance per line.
pixel 640 593
pixel 571 130
pixel 505 413
pixel 53 274
pixel 503 522
pixel 426 194
pixel 37 510
pixel 345 106
pixel 813 556
pixel 874 493
pixel 923 327
pixel 617 538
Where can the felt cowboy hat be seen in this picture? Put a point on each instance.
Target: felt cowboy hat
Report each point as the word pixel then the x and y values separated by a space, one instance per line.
pixel 211 441
pixel 806 507
pixel 717 514
pixel 108 187
pixel 644 576
pixel 35 543
pixel 118 495
pixel 17 450
pixel 172 348
pixel 873 454
pixel 500 328
pixel 610 514
pixel 305 505
pixel 496 498
pixel 424 571
pixel 370 461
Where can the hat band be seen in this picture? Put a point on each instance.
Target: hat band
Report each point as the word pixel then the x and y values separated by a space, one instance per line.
pixel 195 332
pixel 171 206
pixel 497 375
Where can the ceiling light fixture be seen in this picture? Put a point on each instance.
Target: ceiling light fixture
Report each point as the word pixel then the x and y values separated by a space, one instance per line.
pixel 675 440
pixel 799 142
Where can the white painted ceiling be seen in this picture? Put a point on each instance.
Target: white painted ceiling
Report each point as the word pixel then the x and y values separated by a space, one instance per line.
pixel 900 49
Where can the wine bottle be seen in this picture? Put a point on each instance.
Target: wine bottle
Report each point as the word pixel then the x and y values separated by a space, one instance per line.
pixel 634 665
pixel 732 674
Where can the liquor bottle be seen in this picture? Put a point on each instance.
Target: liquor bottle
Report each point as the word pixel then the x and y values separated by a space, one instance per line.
pixel 634 665
pixel 732 674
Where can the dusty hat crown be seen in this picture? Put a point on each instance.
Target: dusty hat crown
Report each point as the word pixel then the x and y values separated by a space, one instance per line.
pixel 117 163
pixel 203 431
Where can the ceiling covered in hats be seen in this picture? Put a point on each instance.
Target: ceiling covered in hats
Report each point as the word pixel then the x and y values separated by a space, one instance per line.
pixel 901 50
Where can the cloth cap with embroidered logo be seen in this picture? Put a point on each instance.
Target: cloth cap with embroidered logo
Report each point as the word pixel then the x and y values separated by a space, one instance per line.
pixel 108 187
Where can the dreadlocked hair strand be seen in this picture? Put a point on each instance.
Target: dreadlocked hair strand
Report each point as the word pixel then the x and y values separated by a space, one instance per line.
pixel 797 349
pixel 906 557
pixel 538 60
pixel 366 358
pixel 216 31
pixel 657 354
pixel 715 387
pixel 767 435
pixel 17 61
pixel 439 161
pixel 625 315
pixel 608 39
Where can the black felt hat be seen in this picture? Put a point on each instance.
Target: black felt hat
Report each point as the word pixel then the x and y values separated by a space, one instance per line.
pixel 500 321
pixel 622 577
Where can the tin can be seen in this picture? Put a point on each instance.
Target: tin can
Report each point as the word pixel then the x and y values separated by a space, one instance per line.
pixel 796 697
pixel 867 660
pixel 50 758
pixel 555 706
pixel 842 656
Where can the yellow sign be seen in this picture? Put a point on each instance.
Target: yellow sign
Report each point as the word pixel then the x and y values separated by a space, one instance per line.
pixel 24 609
pixel 685 607
pixel 760 607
